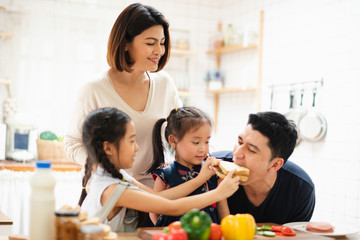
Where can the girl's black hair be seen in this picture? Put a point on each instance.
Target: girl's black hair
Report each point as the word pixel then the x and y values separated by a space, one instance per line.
pixel 103 124
pixel 179 122
pixel 281 132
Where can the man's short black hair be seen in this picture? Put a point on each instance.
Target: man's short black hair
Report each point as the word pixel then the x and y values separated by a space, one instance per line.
pixel 280 131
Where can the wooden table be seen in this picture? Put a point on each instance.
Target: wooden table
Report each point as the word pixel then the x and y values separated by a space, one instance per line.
pixel 146 234
pixel 133 236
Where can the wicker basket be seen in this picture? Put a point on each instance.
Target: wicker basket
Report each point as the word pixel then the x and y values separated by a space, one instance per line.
pixel 52 151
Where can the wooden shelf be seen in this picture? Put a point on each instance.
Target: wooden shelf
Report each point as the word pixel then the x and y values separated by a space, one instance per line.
pixel 236 48
pixel 184 93
pixel 182 52
pixel 231 49
pixel 6 35
pixel 5 81
pixel 228 90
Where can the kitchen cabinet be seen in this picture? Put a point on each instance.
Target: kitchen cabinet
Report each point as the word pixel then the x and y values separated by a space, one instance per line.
pixel 238 48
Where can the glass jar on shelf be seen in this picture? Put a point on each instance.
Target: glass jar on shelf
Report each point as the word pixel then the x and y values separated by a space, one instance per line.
pixel 228 35
pixel 217 40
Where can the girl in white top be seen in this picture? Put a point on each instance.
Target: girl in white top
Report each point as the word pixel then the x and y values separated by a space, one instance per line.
pixel 109 138
pixel 138 48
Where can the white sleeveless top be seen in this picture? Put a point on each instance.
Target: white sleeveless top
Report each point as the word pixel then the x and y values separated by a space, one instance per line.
pixel 98 183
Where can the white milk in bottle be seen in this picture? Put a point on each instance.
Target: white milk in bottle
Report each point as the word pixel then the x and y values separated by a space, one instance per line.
pixel 42 203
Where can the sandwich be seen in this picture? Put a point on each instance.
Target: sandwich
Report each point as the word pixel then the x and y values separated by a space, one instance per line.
pixel 222 168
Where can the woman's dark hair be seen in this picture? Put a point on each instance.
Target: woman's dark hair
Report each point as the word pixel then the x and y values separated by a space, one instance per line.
pixel 179 122
pixel 132 21
pixel 103 124
pixel 281 132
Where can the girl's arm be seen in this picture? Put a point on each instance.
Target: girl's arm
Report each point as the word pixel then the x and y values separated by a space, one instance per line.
pixel 159 186
pixel 222 206
pixel 181 190
pixel 147 202
pixel 223 209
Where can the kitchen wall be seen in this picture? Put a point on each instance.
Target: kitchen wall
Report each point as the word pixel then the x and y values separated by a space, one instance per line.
pixel 60 45
pixel 306 41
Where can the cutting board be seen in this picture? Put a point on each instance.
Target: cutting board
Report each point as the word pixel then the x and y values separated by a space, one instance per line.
pixel 147 233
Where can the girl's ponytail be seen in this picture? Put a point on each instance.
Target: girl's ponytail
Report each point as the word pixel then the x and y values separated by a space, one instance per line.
pixel 87 174
pixel 158 148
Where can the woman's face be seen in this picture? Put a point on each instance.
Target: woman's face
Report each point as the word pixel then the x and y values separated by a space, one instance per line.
pixel 147 48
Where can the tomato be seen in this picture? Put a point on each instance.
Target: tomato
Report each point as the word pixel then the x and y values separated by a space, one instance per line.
pixel 276 228
pixel 215 232
pixel 174 225
pixel 177 234
pixel 288 231
pixel 160 236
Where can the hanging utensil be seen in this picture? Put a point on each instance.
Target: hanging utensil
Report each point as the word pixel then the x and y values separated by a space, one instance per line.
pixel 313 125
pixel 295 114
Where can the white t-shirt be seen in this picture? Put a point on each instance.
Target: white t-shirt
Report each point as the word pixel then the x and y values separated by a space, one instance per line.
pixel 98 183
pixel 162 98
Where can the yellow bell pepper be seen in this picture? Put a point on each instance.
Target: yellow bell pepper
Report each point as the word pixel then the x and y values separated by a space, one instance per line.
pixel 238 227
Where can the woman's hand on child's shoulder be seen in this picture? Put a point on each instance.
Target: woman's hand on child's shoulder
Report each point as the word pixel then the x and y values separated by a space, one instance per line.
pixel 206 171
pixel 229 185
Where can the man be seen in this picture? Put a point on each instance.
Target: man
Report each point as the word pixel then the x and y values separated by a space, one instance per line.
pixel 277 190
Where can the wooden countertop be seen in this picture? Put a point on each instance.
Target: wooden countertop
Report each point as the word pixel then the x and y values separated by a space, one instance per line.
pixel 30 166
pixel 147 233
pixel 137 236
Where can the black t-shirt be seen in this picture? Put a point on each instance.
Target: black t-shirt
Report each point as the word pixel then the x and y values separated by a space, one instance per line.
pixel 292 198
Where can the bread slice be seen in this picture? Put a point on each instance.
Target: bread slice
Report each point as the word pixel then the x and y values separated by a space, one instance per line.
pixel 222 168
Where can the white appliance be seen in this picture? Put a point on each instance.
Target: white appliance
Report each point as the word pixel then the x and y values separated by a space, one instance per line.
pixel 21 142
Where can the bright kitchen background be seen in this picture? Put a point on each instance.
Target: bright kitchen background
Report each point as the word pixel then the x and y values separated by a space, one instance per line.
pixel 60 45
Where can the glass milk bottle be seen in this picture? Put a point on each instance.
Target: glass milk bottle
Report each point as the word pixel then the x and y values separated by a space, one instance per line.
pixel 42 203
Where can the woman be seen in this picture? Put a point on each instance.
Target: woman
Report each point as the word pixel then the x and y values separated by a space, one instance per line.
pixel 138 48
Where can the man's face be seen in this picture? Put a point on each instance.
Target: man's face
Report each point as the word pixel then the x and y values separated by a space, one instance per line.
pixel 252 151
